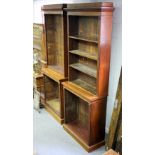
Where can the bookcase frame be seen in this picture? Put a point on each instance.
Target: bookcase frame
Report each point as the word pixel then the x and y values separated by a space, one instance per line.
pixel 55 44
pixel 85 92
pixel 53 92
pixel 55 30
pixel 84 117
pixel 89 44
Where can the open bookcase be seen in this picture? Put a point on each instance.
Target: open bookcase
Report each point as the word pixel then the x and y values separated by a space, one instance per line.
pixel 89 42
pixel 83 51
pixel 56 70
pixel 89 37
pixel 53 92
pixel 55 30
pixel 84 117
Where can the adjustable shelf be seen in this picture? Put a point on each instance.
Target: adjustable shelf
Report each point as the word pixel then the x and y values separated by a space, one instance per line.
pixel 87 39
pixel 84 69
pixel 83 84
pixel 84 54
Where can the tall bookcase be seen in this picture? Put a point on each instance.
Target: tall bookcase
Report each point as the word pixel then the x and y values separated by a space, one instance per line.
pixel 85 93
pixel 56 58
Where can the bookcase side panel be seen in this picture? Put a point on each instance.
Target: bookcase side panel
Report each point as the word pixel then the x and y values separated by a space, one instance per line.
pixel 104 54
pixel 97 121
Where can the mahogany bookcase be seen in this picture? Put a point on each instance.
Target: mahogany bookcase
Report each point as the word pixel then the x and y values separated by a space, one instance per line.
pixel 85 93
pixel 56 57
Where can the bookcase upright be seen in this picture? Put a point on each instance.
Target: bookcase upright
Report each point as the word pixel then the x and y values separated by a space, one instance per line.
pixel 86 91
pixel 56 58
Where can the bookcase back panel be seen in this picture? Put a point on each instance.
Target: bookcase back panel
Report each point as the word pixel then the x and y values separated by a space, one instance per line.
pixel 77 115
pixel 83 51
pixel 83 25
pixel 83 80
pixel 90 64
pixel 54 39
pixel 87 48
pixel 76 109
pixel 52 94
pixel 51 88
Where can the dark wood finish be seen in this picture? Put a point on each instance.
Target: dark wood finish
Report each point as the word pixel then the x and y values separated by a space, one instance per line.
pixel 56 58
pixel 85 94
pixel 84 117
pixel 89 42
pixel 90 6
pixel 53 7
pixel 115 124
pixel 55 27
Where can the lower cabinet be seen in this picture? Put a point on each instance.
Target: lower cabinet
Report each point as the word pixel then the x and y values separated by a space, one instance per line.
pixel 84 119
pixel 53 92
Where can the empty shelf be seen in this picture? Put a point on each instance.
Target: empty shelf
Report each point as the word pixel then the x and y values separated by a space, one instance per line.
pixel 84 54
pixel 84 69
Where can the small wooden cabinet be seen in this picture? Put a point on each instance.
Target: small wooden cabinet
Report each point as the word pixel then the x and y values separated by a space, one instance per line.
pixel 56 70
pixel 85 94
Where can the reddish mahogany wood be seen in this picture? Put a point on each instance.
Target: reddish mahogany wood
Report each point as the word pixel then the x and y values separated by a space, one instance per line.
pixel 89 30
pixel 85 94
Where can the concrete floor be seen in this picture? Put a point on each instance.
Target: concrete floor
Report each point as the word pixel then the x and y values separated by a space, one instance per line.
pixel 50 138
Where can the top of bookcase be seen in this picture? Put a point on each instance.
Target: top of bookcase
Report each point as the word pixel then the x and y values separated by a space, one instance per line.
pixel 53 7
pixel 99 6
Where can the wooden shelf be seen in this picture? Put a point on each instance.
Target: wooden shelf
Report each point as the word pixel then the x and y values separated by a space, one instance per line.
pixel 84 69
pixel 84 54
pixel 56 68
pixel 79 91
pixel 85 85
pixel 79 130
pixel 54 104
pixel 83 38
pixel 52 74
